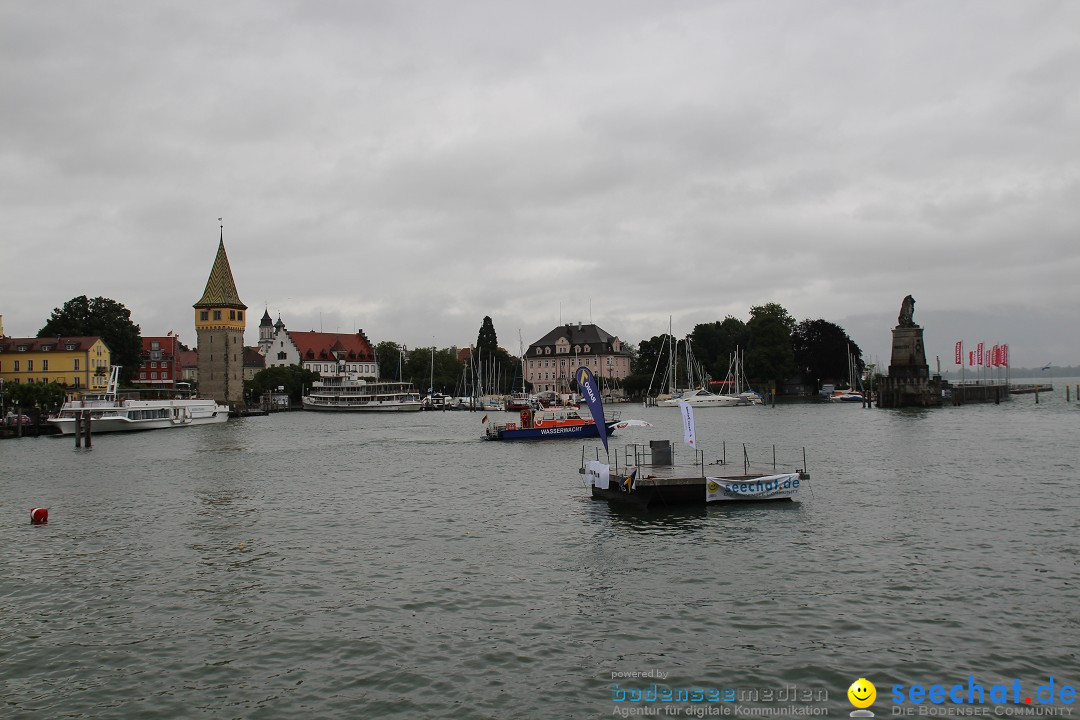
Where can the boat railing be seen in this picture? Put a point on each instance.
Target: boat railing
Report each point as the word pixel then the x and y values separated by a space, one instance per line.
pixel 670 455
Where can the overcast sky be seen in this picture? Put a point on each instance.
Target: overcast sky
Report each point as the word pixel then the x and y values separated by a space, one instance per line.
pixel 410 167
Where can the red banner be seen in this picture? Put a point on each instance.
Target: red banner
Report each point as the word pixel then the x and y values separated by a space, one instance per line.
pixel 959 352
pixel 979 354
pixel 996 357
pixel 971 358
pixel 1005 355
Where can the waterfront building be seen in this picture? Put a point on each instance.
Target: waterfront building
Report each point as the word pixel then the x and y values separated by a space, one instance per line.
pixel 74 362
pixel 325 353
pixel 159 362
pixel 220 325
pixel 189 366
pixel 549 363
pixel 254 361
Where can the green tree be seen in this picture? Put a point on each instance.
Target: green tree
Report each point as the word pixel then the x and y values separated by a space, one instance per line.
pixel 500 371
pixel 770 356
pixel 714 343
pixel 390 360
pixel 104 318
pixel 292 377
pixel 821 351
pixel 652 356
pixel 444 378
pixel 45 396
pixel 487 342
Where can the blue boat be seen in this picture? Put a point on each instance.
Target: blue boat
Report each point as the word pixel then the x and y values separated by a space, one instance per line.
pixel 547 424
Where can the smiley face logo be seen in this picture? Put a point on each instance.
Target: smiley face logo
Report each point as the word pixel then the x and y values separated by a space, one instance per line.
pixel 862 693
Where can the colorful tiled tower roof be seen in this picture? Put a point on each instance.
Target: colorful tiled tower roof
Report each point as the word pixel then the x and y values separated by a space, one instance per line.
pixel 220 288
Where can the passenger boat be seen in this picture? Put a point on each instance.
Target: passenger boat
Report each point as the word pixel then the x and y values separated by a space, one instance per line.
pixel 650 477
pixel 339 393
pixel 548 423
pixel 108 413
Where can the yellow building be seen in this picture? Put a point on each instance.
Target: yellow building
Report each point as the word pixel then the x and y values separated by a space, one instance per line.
pixel 74 362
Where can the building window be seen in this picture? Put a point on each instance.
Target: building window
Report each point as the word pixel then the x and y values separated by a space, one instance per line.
pixel 76 363
pixel 155 345
pixel 153 376
pixel 240 315
pixel 76 383
pixel 281 356
pixel 46 348
pixel 153 364
pixel 69 346
pixel 232 314
pixel 217 314
pixel 29 366
pixel 44 366
pixel 204 315
pixel 142 376
pixel 21 348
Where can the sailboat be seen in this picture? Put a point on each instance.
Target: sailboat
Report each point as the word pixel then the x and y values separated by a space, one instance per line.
pixel 851 395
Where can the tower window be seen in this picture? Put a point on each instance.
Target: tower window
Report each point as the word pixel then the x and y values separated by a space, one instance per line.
pixel 204 315
pixel 232 314
pixel 217 314
pixel 240 315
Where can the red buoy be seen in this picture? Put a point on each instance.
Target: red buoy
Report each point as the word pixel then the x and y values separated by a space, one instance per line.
pixel 39 516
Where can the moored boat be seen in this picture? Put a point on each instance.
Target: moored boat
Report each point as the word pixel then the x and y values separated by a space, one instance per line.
pixel 338 393
pixel 108 413
pixel 703 398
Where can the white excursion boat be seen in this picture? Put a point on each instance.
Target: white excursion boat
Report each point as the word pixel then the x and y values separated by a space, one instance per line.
pixel 338 393
pixel 108 413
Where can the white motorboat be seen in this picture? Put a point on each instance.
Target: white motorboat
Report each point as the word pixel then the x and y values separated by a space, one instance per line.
pixel 703 398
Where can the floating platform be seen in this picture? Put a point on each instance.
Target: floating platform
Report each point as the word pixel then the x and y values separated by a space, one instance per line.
pixel 650 479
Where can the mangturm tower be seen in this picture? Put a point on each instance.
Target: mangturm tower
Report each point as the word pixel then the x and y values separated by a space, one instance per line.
pixel 219 326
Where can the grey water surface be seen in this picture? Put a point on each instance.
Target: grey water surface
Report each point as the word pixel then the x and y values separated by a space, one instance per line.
pixel 311 565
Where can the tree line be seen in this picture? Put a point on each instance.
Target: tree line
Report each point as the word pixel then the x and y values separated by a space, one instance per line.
pixel 776 348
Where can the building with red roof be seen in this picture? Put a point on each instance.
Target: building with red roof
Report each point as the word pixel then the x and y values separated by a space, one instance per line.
pixel 325 353
pixel 159 362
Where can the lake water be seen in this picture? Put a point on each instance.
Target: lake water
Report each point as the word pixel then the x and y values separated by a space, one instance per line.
pixel 310 565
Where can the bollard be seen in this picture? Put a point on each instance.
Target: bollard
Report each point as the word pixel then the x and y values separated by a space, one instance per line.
pixel 88 431
pixel 78 430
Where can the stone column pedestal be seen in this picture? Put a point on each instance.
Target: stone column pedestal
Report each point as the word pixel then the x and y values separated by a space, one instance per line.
pixel 909 383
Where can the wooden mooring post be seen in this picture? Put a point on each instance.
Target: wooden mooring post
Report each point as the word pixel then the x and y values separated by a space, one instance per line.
pixel 82 427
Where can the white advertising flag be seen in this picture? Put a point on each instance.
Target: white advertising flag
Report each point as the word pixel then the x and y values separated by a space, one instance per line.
pixel 687 411
pixel 599 474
